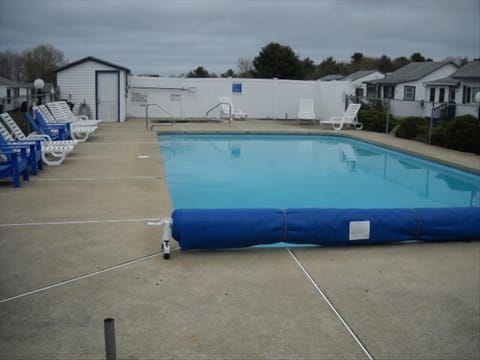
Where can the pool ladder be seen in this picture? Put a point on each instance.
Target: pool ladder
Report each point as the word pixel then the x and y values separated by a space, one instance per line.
pixel 161 107
pixel 219 104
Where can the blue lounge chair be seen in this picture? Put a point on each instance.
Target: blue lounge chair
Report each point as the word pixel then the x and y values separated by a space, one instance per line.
pixel 53 153
pixel 33 149
pixel 56 132
pixel 13 162
pixel 77 132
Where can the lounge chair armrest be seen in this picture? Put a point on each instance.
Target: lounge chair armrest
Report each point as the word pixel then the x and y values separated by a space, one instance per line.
pixel 22 148
pixel 42 137
pixel 36 142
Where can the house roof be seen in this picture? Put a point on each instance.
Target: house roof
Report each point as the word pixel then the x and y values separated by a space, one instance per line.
pixel 469 70
pixel 13 84
pixel 92 58
pixel 445 81
pixel 332 77
pixel 4 81
pixel 411 72
pixel 359 74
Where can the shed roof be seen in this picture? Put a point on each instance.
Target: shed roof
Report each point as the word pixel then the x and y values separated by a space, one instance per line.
pixel 412 72
pixel 92 58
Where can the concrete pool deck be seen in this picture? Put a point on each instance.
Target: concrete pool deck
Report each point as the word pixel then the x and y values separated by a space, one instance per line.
pixel 76 248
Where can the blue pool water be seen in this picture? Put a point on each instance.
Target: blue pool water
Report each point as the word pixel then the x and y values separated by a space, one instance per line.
pixel 297 171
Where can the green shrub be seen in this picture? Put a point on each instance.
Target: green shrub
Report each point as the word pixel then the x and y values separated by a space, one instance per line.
pixel 374 120
pixel 413 128
pixel 463 133
pixel 438 135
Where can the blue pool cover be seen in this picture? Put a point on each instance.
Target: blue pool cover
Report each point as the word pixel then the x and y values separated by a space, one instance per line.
pixel 236 228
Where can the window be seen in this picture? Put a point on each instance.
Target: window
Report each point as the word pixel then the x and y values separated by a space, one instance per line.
pixel 9 95
pixel 388 92
pixel 432 94
pixel 452 94
pixel 409 93
pixel 441 95
pixel 469 94
pixel 359 92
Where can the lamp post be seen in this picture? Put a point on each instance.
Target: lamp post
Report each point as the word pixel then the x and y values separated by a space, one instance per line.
pixel 38 84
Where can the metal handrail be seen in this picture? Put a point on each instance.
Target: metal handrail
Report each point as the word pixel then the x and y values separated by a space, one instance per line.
pixel 229 110
pixel 161 107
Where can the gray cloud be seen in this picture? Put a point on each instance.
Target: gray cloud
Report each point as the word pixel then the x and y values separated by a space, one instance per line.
pixel 172 37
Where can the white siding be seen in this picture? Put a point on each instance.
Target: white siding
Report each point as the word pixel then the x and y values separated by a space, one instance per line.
pixel 359 83
pixel 420 90
pixel 77 84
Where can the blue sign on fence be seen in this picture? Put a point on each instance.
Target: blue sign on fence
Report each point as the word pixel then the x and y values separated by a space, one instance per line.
pixel 236 88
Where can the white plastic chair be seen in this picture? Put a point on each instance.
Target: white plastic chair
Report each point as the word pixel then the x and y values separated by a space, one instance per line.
pixel 80 131
pixel 349 118
pixel 226 106
pixel 61 111
pixel 306 111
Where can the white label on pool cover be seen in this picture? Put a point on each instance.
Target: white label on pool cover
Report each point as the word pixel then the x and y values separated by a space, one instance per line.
pixel 359 230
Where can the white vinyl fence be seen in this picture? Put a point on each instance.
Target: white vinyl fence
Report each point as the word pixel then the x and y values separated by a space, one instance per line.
pixel 259 98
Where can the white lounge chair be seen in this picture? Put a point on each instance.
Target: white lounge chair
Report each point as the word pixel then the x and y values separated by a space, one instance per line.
pixel 61 111
pixel 20 135
pixel 228 111
pixel 78 132
pixel 51 154
pixel 349 118
pixel 306 111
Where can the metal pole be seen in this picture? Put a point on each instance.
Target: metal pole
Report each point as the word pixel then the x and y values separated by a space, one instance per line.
pixel 146 116
pixel 110 347
pixel 431 123
pixel 388 116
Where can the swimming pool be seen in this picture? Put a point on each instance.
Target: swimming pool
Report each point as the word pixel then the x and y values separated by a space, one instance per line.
pixel 234 191
pixel 306 171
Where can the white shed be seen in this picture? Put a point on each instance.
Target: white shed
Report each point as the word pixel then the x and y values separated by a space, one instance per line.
pixel 99 84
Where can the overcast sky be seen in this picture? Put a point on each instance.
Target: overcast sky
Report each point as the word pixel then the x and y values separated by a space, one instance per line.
pixel 174 36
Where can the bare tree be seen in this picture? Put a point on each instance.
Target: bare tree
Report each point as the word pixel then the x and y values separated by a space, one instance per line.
pixel 41 62
pixel 245 67
pixel 11 65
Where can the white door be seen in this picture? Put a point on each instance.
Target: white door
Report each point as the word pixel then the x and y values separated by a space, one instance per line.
pixel 107 96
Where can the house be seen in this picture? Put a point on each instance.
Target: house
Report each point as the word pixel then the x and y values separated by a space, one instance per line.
pixel 13 94
pixel 459 90
pixel 405 88
pixel 98 86
pixel 359 79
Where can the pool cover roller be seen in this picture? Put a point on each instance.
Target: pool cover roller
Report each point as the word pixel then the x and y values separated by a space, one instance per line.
pixel 236 228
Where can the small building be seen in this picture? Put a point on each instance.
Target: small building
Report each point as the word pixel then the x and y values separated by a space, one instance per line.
pixel 359 79
pixel 405 88
pixel 13 94
pixel 461 87
pixel 97 88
